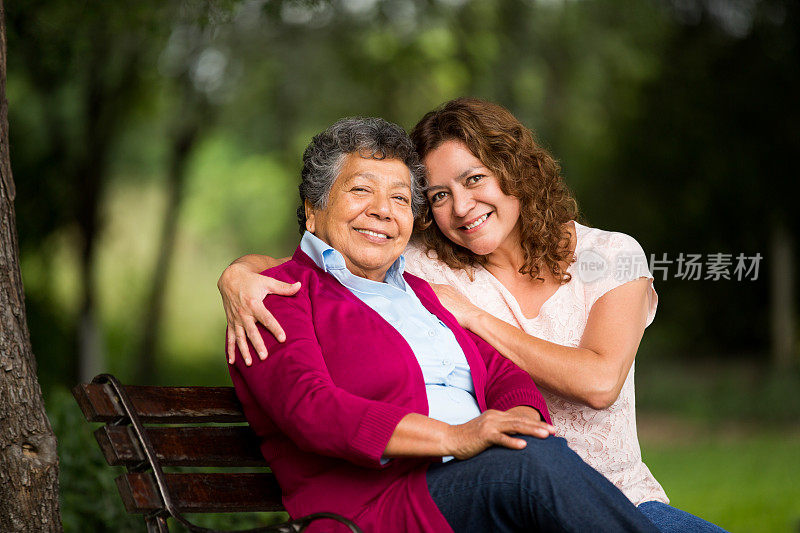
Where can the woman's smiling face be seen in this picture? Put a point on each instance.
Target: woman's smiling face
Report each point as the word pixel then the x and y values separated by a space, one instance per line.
pixel 368 217
pixel 467 202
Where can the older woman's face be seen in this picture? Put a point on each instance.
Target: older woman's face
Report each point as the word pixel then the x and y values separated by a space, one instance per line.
pixel 467 202
pixel 368 218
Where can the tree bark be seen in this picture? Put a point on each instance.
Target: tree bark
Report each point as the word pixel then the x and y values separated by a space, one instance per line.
pixel 28 459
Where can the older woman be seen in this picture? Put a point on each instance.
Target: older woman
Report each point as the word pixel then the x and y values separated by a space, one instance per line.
pixel 566 302
pixel 375 380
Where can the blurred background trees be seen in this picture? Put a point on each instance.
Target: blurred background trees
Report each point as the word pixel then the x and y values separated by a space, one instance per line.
pixel 153 142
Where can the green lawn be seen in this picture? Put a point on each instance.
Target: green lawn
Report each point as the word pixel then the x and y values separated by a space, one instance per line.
pixel 745 480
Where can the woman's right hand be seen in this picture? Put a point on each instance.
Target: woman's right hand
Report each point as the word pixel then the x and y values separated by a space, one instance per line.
pixel 494 428
pixel 243 291
pixel 467 314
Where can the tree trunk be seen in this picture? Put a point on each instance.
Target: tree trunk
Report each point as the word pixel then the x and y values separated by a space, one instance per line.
pixel 782 300
pixel 90 178
pixel 28 459
pixel 182 145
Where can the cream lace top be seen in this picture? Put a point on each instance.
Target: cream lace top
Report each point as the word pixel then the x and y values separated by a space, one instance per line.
pixel 605 439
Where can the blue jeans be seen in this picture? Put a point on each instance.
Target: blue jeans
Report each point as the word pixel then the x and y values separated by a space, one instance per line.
pixel 671 520
pixel 543 487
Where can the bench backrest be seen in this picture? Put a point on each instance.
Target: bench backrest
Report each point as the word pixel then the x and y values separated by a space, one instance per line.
pixel 192 443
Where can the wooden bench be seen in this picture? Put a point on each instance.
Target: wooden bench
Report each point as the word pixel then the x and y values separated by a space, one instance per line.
pixel 148 428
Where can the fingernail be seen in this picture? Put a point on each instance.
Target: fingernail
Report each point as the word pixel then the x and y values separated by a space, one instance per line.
pixel 262 355
pixel 282 338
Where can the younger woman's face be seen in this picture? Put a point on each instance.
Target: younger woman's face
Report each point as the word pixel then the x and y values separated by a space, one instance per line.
pixel 466 200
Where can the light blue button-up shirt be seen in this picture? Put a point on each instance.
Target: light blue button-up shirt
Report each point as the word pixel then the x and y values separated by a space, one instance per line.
pixel 448 380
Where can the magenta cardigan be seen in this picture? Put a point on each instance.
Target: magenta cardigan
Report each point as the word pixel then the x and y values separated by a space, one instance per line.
pixel 326 402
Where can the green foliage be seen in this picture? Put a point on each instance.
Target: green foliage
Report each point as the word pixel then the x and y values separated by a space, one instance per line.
pixel 230 521
pixel 89 497
pixel 635 99
pixel 243 199
pixel 712 391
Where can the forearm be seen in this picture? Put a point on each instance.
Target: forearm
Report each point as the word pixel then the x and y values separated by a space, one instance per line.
pixel 508 386
pixel 579 374
pixel 418 436
pixel 259 263
pixel 245 266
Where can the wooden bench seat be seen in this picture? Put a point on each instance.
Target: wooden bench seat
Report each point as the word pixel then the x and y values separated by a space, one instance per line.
pixel 148 428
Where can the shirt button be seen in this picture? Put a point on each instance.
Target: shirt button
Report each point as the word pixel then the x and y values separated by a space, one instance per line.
pixel 445 362
pixel 431 333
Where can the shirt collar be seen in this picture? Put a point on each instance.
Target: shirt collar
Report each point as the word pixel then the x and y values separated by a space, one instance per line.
pixel 328 258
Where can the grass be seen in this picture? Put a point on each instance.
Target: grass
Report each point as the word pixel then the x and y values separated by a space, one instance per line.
pixel 743 477
pixel 722 436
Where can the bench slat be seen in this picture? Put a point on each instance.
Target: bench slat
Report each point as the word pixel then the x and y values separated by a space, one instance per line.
pixel 202 493
pixel 166 405
pixel 183 446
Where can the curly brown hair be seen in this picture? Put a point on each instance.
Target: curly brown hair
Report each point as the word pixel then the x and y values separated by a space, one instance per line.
pixel 524 169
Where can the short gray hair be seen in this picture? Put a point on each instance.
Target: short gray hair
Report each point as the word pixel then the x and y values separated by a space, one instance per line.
pixel 371 138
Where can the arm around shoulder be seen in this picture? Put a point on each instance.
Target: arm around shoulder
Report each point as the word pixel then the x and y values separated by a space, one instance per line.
pixel 294 389
pixel 508 386
pixel 243 291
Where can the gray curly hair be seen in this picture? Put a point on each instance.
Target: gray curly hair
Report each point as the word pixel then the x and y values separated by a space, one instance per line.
pixel 371 138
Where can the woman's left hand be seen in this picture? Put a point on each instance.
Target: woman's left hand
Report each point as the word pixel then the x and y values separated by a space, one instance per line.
pixel 465 311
